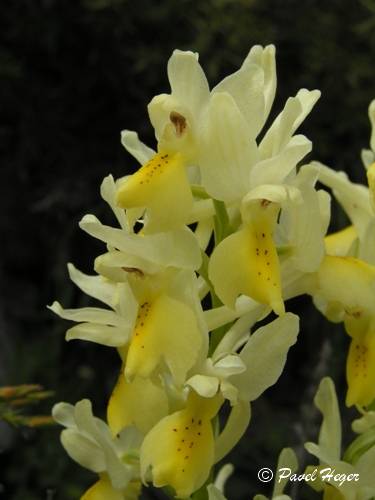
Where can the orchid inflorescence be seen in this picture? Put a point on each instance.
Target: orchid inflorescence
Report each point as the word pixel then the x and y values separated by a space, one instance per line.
pixel 215 232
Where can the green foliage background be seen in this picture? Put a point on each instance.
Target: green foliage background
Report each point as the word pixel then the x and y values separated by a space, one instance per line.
pixel 73 75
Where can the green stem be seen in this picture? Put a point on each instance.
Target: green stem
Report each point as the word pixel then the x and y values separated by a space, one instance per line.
pixel 199 192
pixel 222 227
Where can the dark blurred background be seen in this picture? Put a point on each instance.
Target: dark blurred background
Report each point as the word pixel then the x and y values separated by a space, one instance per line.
pixel 73 75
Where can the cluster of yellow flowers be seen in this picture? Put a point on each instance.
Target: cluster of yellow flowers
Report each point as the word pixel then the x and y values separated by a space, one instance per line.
pixel 216 230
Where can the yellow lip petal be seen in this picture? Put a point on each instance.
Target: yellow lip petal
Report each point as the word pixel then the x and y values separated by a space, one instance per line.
pixel 162 187
pixel 360 369
pixel 339 243
pixel 166 330
pixel 125 407
pixel 180 448
pixel 103 490
pixel 247 263
pixel 347 281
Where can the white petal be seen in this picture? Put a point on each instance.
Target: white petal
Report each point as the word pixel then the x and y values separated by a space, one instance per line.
pixel 188 81
pixel 214 493
pixel 354 198
pixel 246 88
pixel 63 413
pixel 265 58
pixel 159 110
pixel 305 227
pixel 119 473
pixel 329 449
pixel 234 429
pixel 229 392
pixel 205 386
pixel 129 439
pixel 282 194
pixel 287 458
pixel 222 315
pixel 111 265
pixel 364 423
pixel 239 332
pixel 277 167
pixel 108 193
pixel 227 151
pixel 295 111
pixel 135 147
pixel 265 356
pixel 94 286
pixel 230 365
pixel 83 450
pixel 127 305
pixel 325 209
pixel 223 475
pixel 89 314
pixel 366 466
pixel 175 248
pixel 296 282
pixel 106 335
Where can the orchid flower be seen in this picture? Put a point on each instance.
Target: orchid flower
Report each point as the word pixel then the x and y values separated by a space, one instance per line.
pixel 143 325
pixel 328 451
pixel 88 441
pixel 178 119
pixel 346 292
pixel 250 260
pixel 182 448
pixel 254 180
pixel 358 239
pixel 151 288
